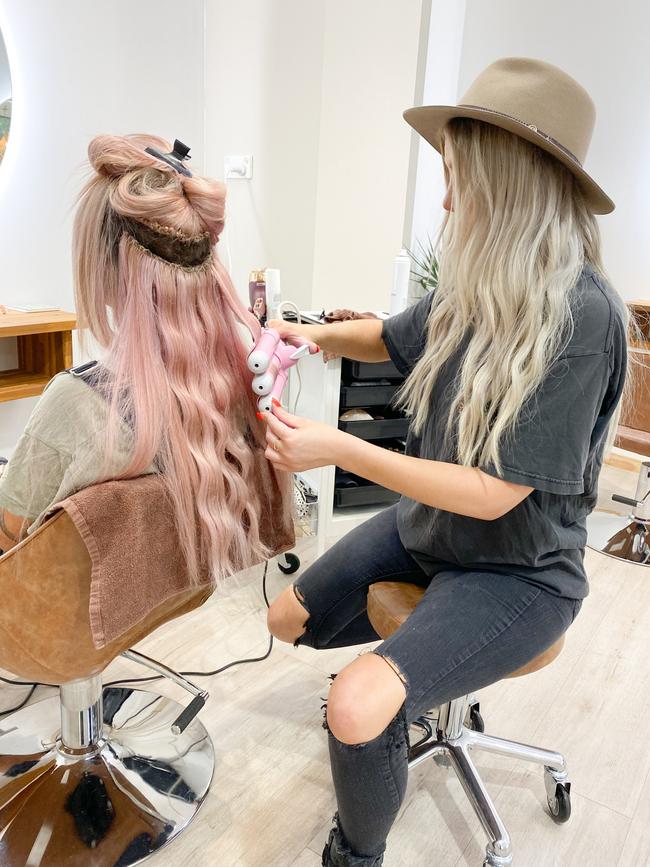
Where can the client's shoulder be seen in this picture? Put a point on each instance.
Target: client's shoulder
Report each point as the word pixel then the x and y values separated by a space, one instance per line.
pixel 67 386
pixel 68 412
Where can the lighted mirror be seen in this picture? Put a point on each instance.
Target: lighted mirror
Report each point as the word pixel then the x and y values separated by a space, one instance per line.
pixel 5 98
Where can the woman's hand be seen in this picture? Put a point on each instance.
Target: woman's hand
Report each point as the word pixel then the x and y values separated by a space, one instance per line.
pixel 307 332
pixel 295 444
pixel 294 329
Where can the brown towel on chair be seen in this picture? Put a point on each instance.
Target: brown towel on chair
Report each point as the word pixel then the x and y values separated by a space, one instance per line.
pixel 129 530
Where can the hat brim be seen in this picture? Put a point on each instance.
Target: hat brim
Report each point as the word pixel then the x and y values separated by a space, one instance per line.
pixel 430 120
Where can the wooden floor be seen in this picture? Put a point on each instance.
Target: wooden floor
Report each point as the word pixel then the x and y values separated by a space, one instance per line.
pixel 271 800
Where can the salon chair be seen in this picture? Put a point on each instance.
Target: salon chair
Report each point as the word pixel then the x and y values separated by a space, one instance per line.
pixel 99 777
pixel 459 729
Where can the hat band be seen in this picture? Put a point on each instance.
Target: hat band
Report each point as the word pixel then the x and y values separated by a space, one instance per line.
pixel 531 126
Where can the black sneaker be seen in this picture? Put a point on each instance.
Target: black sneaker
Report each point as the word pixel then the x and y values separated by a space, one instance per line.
pixel 337 852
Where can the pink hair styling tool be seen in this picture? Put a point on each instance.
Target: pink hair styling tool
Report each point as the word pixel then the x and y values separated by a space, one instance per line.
pixel 270 361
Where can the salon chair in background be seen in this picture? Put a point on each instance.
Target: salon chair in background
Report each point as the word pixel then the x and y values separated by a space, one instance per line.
pixel 97 776
pixel 459 729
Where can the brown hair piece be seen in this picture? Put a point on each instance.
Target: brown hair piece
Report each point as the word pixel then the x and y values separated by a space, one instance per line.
pixel 188 251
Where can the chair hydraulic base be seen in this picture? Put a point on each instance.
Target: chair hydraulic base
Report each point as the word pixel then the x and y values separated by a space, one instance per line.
pixel 454 740
pixel 626 537
pixel 98 777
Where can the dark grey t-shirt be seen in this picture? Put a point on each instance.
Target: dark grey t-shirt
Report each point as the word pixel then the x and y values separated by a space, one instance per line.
pixel 557 449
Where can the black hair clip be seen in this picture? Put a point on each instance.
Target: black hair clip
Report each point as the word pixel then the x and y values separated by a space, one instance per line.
pixel 174 159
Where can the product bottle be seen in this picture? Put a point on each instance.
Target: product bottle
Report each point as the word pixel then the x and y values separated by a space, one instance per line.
pixel 273 294
pixel 401 277
pixel 257 294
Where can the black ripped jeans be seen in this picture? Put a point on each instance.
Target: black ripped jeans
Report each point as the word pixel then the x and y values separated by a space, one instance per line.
pixel 469 630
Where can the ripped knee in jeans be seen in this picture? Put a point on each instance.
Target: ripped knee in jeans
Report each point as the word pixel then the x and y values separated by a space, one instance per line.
pixel 301 599
pixel 396 733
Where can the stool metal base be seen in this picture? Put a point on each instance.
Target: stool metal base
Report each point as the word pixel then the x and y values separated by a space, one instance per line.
pixel 112 804
pixel 454 742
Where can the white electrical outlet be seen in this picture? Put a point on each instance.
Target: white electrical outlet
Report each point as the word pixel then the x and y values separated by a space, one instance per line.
pixel 238 167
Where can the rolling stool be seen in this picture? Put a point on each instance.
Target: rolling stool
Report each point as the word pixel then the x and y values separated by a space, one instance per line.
pixel 389 605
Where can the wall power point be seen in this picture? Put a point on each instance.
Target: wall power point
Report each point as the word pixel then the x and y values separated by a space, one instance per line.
pixel 238 167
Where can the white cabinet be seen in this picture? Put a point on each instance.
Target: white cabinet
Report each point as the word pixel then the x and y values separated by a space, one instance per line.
pixel 318 398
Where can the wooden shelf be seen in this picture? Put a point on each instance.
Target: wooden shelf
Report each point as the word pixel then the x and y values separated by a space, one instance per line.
pixel 634 428
pixel 633 440
pixel 15 384
pixel 44 344
pixel 15 324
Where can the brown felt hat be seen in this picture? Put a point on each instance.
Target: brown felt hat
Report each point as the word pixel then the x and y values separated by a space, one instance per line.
pixel 535 100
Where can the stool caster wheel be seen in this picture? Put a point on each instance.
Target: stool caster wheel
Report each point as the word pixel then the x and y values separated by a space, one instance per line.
pixel 473 719
pixel 559 805
pixel 291 564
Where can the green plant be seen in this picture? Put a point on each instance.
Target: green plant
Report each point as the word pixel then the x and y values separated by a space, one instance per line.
pixel 424 270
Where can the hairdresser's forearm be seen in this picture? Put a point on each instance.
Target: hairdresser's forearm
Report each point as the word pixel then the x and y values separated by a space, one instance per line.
pixel 359 339
pixel 463 490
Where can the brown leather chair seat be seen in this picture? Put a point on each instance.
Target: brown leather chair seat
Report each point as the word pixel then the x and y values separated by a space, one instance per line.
pixel 390 603
pixel 45 632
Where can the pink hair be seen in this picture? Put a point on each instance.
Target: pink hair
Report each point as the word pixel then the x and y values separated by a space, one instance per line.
pixel 175 360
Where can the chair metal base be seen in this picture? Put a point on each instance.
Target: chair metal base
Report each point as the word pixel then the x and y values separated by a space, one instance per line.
pixel 111 804
pixel 624 537
pixel 454 740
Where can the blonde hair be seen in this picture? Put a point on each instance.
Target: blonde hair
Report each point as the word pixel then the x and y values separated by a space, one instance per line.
pixel 511 251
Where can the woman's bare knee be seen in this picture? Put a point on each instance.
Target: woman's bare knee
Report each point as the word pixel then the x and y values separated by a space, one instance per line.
pixel 364 699
pixel 287 617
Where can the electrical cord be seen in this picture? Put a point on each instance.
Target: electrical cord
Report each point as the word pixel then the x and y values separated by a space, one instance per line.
pixel 294 308
pixel 35 684
pixel 24 702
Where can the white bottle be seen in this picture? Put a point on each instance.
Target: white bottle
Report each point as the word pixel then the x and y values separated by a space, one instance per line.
pixel 401 277
pixel 273 294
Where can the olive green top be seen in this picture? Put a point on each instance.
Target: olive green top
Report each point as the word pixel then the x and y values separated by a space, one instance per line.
pixel 62 450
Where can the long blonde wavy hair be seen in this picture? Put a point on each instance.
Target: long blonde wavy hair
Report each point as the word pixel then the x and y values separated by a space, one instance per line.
pixel 510 251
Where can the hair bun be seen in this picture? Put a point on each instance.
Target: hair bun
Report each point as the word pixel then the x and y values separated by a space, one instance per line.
pixel 115 156
pixel 189 203
pixel 207 198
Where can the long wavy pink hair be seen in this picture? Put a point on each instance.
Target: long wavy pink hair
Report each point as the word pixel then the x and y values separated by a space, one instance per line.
pixel 175 361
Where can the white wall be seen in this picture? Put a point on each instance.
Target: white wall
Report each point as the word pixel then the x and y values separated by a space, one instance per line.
pixel 606 47
pixel 315 91
pixel 263 75
pixel 80 69
pixel 440 87
pixel 370 57
pixel 5 75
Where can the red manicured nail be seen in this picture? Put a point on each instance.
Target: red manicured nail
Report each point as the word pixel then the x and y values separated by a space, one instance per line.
pixel 260 416
pixel 275 402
